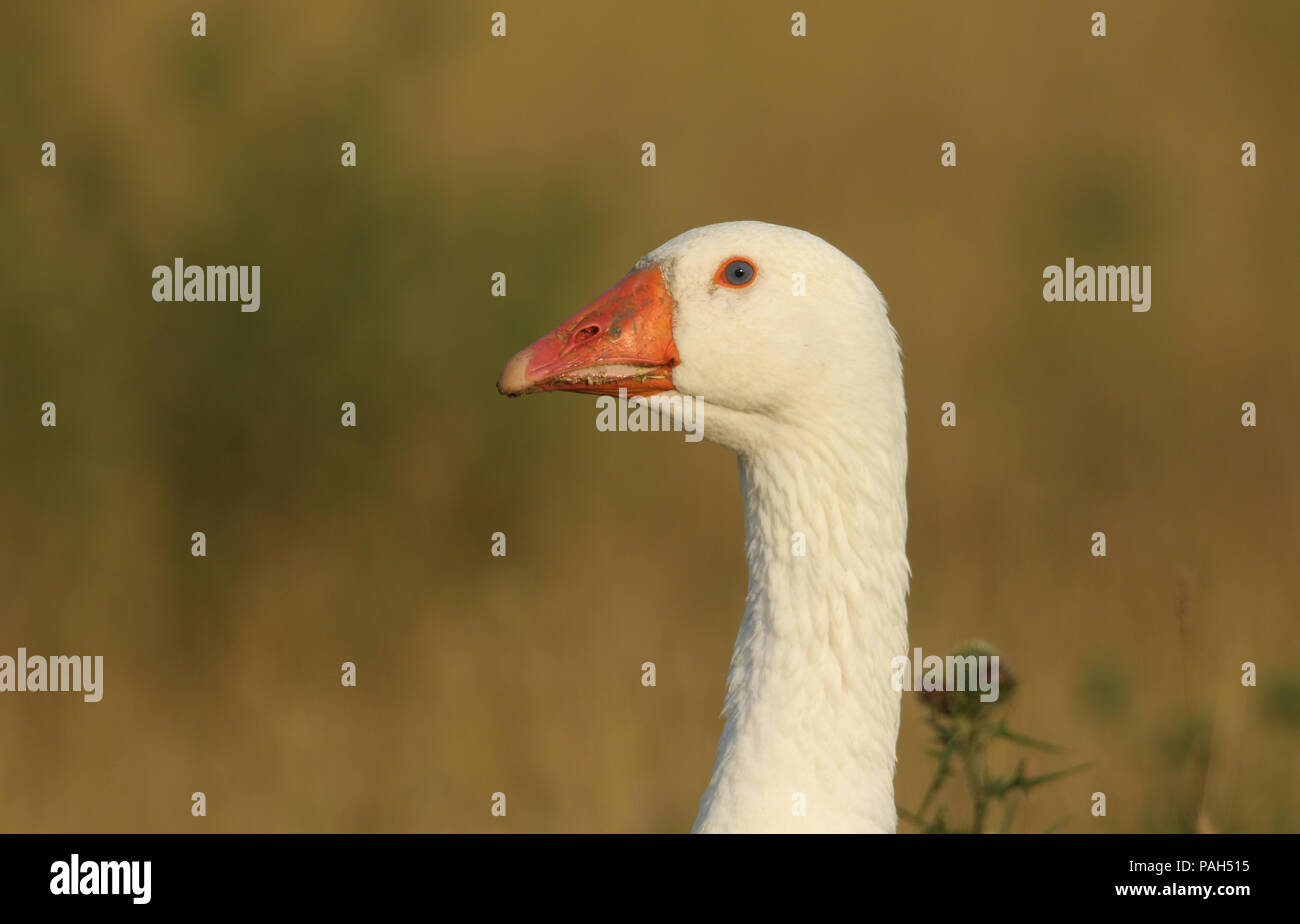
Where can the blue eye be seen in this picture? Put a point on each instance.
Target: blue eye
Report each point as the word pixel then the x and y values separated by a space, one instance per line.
pixel 736 273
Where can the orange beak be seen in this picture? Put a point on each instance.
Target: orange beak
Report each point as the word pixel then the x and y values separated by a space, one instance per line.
pixel 624 339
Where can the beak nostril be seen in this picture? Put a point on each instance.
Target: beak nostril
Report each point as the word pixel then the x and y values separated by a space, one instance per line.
pixel 586 333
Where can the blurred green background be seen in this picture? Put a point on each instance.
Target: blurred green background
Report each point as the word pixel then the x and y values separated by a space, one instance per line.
pixel 522 155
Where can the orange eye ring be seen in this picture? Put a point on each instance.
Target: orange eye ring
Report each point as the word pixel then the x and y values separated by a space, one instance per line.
pixel 735 273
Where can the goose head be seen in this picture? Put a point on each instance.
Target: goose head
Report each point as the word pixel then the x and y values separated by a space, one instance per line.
pixel 788 343
pixel 773 328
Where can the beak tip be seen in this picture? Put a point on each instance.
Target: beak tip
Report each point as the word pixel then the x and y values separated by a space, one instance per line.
pixel 514 377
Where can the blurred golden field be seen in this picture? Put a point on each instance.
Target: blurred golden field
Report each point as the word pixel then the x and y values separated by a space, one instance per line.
pixel 522 155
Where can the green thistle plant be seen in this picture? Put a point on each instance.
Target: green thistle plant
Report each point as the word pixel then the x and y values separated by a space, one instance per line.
pixel 964 726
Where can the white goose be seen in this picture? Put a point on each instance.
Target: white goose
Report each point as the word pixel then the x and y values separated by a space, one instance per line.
pixel 808 390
